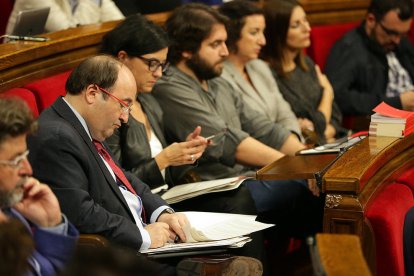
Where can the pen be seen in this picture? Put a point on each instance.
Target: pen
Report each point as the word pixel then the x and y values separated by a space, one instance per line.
pixel 217 134
pixel 177 239
pixel 27 38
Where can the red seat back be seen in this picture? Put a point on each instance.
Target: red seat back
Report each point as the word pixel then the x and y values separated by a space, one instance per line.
pixel 386 215
pixel 6 7
pixel 48 89
pixel 324 37
pixel 27 96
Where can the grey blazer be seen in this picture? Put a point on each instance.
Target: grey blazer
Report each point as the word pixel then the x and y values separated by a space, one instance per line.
pixel 264 96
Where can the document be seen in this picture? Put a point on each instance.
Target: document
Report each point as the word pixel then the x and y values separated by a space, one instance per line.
pixel 338 146
pixel 208 230
pixel 207 226
pixel 185 191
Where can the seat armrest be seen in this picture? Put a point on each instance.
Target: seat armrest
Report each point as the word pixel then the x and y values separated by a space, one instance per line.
pixel 91 240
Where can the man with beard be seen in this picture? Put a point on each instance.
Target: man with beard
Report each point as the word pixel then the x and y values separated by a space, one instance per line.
pixel 24 199
pixel 192 94
pixel 375 62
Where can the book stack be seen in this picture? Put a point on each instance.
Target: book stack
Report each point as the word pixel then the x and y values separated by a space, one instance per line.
pixel 391 122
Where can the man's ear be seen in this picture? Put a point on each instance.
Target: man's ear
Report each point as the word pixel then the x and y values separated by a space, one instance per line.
pixel 187 55
pixel 91 93
pixel 370 21
pixel 122 55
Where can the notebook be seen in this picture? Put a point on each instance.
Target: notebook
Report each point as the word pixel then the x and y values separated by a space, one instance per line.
pixel 31 22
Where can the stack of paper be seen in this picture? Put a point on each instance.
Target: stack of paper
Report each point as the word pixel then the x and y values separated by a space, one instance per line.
pixel 208 230
pixel 391 122
pixel 186 191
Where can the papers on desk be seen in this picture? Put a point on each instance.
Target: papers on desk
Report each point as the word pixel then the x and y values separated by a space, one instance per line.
pixel 185 191
pixel 338 146
pixel 198 246
pixel 209 230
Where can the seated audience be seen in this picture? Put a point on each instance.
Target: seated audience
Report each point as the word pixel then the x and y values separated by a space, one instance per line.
pixel 301 82
pixel 65 14
pixel 192 94
pixel 248 74
pixel 28 208
pixel 375 62
pixel 129 7
pixel 140 145
pixel 97 195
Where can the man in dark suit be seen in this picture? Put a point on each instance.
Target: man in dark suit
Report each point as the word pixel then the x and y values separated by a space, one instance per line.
pixel 26 205
pixel 68 153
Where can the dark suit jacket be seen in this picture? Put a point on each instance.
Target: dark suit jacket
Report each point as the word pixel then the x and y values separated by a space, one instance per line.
pixel 131 147
pixel 62 155
pixel 51 258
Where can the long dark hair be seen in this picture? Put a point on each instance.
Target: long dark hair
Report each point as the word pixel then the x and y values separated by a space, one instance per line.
pixel 277 14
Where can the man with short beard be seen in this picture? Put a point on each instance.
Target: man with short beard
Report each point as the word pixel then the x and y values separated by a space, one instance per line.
pixel 375 62
pixel 23 198
pixel 192 94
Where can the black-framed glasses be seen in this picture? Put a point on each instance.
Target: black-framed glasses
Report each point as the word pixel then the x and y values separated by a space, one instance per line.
pixel 125 107
pixel 390 32
pixel 154 64
pixel 16 163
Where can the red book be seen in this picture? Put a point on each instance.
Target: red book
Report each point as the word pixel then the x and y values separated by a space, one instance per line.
pixel 386 114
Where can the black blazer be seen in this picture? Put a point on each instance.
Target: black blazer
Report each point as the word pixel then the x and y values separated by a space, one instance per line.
pixel 63 156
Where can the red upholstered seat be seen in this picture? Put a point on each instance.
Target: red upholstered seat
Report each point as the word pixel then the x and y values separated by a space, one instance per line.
pixel 324 37
pixel 407 178
pixel 48 89
pixel 386 215
pixel 27 96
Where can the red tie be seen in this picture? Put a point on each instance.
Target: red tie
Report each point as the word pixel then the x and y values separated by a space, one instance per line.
pixel 118 172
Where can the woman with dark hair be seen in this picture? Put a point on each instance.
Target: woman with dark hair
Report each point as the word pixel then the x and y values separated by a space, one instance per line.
pixel 140 145
pixel 248 74
pixel 300 81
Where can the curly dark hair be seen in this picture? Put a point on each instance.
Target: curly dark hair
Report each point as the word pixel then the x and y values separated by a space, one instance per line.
pixel 188 26
pixel 16 118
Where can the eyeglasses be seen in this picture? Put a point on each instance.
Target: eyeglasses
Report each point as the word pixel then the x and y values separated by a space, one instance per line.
pixel 390 32
pixel 125 107
pixel 16 163
pixel 154 64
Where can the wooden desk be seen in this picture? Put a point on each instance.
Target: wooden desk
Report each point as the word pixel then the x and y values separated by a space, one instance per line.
pixel 354 180
pixel 296 167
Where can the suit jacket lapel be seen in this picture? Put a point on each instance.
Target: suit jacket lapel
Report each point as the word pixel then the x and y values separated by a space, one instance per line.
pixel 65 112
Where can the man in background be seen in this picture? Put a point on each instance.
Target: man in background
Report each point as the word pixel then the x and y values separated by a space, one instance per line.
pixel 375 62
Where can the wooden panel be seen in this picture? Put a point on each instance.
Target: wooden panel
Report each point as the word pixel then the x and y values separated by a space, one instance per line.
pixel 323 12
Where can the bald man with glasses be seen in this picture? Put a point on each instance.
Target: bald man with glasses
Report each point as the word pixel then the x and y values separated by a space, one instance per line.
pixel 375 62
pixel 70 154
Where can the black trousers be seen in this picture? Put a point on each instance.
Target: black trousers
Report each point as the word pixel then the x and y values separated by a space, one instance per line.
pixel 408 242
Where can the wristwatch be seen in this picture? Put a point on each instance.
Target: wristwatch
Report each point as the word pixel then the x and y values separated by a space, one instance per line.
pixel 168 211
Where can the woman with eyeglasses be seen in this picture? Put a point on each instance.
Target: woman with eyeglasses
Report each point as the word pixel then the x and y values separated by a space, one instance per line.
pixel 140 145
pixel 300 81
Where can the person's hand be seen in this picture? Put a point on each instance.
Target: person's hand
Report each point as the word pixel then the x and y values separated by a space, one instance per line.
pixel 330 133
pixel 39 204
pixel 407 100
pixel 3 217
pixel 305 123
pixel 176 222
pixel 313 187
pixel 183 153
pixel 159 233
